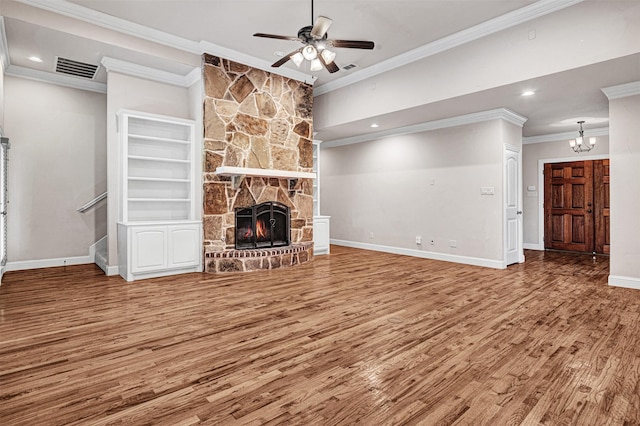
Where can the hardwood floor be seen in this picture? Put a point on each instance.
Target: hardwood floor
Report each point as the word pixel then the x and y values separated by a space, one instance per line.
pixel 356 337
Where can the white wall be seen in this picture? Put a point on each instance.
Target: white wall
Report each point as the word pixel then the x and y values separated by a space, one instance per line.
pixel 554 152
pixel 425 184
pixel 57 163
pixel 126 92
pixel 603 30
pixel 624 127
pixel 1 96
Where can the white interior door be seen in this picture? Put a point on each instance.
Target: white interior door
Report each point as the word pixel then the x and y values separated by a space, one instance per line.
pixel 513 213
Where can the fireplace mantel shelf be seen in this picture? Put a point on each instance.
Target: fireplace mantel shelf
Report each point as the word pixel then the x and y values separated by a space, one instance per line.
pixel 272 173
pixel 238 173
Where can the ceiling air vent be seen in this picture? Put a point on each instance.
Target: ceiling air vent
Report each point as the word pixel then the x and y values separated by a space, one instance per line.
pixel 75 68
pixel 348 67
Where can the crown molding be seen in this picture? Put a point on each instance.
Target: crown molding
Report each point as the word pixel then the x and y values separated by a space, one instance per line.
pixel 508 20
pixel 4 46
pixel 72 10
pixel 194 76
pixel 120 25
pixel 476 117
pixel 148 73
pixel 564 136
pixel 224 52
pixel 59 79
pixel 506 114
pixel 622 90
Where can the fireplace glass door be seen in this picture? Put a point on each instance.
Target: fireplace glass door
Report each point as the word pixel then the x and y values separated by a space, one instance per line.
pixel 262 225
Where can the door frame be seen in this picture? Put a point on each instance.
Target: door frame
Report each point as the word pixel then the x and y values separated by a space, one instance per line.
pixel 5 145
pixel 541 163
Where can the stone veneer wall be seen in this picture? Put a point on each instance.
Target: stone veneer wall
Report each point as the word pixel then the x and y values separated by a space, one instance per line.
pixel 255 119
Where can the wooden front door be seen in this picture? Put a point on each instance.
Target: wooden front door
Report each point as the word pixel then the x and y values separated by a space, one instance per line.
pixel 576 206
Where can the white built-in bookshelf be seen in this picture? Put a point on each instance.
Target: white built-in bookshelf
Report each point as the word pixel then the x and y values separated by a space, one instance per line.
pixel 157 207
pixel 158 154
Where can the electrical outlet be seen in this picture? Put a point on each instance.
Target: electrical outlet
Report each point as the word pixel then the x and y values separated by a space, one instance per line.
pixel 371 235
pixel 418 239
pixel 453 243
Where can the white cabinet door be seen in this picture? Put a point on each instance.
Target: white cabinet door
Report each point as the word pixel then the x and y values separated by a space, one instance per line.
pixel 156 249
pixel 148 248
pixel 321 239
pixel 184 245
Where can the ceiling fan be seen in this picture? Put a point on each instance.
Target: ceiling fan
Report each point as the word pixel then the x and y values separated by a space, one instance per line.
pixel 316 46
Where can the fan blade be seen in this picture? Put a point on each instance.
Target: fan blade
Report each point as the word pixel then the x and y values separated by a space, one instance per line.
pixel 320 27
pixel 284 59
pixel 279 37
pixel 331 67
pixel 351 44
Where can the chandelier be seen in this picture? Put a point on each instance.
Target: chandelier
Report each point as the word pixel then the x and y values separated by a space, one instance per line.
pixel 579 144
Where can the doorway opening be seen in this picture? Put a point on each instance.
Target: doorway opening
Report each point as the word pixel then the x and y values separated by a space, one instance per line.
pixel 576 206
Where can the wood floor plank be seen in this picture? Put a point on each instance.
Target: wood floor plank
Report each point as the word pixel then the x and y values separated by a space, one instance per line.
pixel 355 337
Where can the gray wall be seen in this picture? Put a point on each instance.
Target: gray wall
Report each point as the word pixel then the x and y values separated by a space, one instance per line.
pixel 57 163
pixel 1 98
pixel 624 126
pixel 426 184
pixel 603 30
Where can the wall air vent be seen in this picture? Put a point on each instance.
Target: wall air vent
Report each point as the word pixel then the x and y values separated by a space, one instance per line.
pixel 75 68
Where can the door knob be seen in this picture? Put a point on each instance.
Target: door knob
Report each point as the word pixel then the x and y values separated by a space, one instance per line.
pixel 589 211
pixel 519 212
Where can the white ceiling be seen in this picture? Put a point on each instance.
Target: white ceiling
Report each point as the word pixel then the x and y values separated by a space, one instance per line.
pixel 396 26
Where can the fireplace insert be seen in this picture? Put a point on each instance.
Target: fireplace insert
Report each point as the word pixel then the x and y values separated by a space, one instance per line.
pixel 262 225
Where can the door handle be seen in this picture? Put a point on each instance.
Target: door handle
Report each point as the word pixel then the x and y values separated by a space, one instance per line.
pixel 589 211
pixel 519 212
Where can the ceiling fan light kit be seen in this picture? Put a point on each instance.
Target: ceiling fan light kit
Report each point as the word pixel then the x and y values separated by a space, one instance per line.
pixel 309 52
pixel 316 44
pixel 316 65
pixel 328 55
pixel 297 58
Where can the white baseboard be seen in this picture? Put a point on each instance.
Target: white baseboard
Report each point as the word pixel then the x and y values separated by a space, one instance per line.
pixel 48 263
pixel 61 261
pixel 531 246
pixel 627 282
pixel 475 261
pixel 112 270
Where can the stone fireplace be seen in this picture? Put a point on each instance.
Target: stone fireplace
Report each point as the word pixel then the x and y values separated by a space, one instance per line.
pixel 255 121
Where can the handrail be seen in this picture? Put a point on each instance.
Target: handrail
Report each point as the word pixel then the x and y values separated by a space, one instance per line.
pixel 92 203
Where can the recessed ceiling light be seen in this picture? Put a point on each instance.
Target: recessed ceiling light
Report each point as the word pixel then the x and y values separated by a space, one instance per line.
pixel 374 125
pixel 528 93
pixel 34 59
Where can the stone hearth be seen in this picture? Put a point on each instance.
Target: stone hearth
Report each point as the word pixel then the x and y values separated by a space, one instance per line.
pixel 258 259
